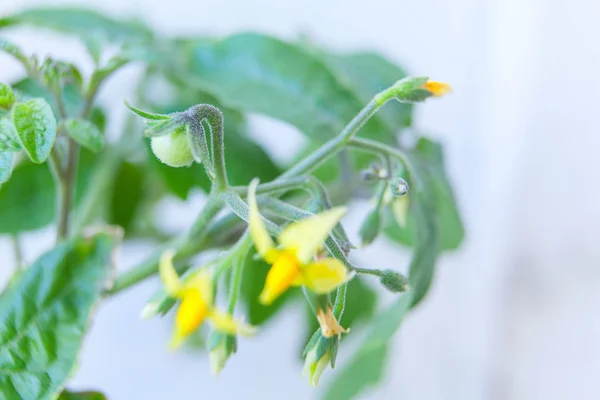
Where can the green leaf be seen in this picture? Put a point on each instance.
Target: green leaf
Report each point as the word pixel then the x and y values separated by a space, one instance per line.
pixel 7 97
pixel 80 22
pixel 127 194
pixel 426 248
pixel 44 313
pixel 369 73
pixel 366 368
pixel 67 395
pixel 14 51
pixel 36 128
pixel 27 200
pixel 85 133
pixel 6 162
pixel 429 161
pixel 253 281
pixel 9 140
pixel 146 114
pixel 256 73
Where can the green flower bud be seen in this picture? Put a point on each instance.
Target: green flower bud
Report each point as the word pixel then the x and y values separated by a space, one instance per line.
pixel 371 227
pixel 318 354
pixel 413 89
pixel 159 304
pixel 394 281
pixel 7 97
pixel 173 149
pixel 400 208
pixel 220 347
pixel 398 187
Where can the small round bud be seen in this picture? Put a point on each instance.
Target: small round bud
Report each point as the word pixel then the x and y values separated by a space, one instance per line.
pixel 173 149
pixel 394 281
pixel 398 187
pixel 7 97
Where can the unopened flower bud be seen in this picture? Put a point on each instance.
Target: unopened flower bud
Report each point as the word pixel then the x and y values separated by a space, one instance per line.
pixel 173 149
pixel 7 97
pixel 371 227
pixel 398 187
pixel 394 281
pixel 220 346
pixel 413 89
pixel 400 208
pixel 319 353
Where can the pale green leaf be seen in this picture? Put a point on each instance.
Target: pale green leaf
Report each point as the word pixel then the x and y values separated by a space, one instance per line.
pixel 36 128
pixel 44 314
pixel 9 140
pixel 80 22
pixel 6 162
pixel 85 133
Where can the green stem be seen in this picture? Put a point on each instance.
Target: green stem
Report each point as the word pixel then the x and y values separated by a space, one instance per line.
pixel 273 187
pixel 18 252
pixel 240 251
pixel 61 193
pixel 333 146
pixel 374 147
pixel 184 247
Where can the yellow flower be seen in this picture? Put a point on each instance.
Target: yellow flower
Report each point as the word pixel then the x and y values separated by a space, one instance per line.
pixel 197 303
pixel 293 262
pixel 437 88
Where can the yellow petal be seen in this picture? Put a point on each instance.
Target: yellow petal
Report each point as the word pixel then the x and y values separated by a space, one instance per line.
pixel 437 88
pixel 168 275
pixel 191 313
pixel 284 271
pixel 226 324
pixel 202 283
pixel 258 230
pixel 324 275
pixel 307 235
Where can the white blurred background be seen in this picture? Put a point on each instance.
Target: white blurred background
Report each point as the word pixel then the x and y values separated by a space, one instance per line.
pixel 514 313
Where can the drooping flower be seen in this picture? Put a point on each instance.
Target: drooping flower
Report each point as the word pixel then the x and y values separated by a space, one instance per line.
pixel 293 262
pixel 197 303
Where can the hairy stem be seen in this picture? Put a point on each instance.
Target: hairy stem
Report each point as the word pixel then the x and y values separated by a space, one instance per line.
pixel 333 146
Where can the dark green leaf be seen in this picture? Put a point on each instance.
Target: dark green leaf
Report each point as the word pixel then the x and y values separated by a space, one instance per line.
pixel 257 73
pixel 36 128
pixel 27 200
pixel 8 136
pixel 80 22
pixel 44 314
pixel 253 281
pixel 429 161
pixel 126 195
pixel 67 395
pixel 6 161
pixel 85 133
pixel 366 367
